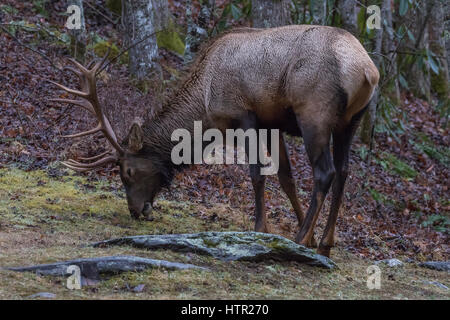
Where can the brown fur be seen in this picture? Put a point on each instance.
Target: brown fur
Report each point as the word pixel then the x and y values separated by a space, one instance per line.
pixel 310 79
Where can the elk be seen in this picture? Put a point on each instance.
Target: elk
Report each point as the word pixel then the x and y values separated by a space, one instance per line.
pixel 309 81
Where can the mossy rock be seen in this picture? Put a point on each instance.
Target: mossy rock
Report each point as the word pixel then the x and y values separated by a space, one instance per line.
pixel 228 246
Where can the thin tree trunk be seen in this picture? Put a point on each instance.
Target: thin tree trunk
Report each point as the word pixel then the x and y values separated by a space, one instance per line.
pixel 439 82
pixel 197 32
pixel 324 12
pixel 347 9
pixel 368 122
pixel 141 22
pixel 392 88
pixel 417 75
pixel 271 13
pixel 447 28
pixel 78 35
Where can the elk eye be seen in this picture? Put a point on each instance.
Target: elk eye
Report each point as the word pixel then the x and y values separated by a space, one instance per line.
pixel 129 172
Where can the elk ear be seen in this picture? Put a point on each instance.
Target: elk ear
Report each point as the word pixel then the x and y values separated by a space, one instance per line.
pixel 135 138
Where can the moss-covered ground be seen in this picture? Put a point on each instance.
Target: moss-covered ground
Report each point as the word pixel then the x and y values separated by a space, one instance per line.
pixel 47 218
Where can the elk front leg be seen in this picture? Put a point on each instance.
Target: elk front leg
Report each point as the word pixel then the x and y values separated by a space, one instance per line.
pixel 250 121
pixel 258 182
pixel 317 144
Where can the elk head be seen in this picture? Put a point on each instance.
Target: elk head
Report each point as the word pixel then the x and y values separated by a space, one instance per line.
pixel 140 172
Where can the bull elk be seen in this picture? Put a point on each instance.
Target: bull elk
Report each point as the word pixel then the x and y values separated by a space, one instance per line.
pixel 309 81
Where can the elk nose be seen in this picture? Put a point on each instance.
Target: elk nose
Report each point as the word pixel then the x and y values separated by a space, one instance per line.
pixel 147 207
pixel 147 210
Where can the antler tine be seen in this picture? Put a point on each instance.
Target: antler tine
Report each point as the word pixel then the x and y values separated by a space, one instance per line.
pixel 99 163
pixel 72 91
pixel 91 103
pixel 91 64
pixel 74 167
pixel 99 64
pixel 84 104
pixel 97 156
pixel 75 71
pixel 85 133
pixel 79 66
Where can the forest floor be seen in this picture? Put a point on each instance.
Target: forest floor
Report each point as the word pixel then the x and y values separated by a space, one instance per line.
pixel 396 200
pixel 47 218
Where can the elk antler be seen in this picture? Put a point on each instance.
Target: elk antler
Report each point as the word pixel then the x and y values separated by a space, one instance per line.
pixel 90 102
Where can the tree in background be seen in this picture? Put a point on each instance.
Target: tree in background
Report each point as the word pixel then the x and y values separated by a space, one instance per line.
pixel 368 122
pixel 436 28
pixel 392 87
pixel 271 13
pixel 347 10
pixel 197 33
pixel 142 19
pixel 414 47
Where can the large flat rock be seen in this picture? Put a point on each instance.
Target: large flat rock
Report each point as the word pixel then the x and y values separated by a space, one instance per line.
pixel 228 246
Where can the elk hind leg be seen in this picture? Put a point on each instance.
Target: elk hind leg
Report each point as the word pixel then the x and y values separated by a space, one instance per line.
pixel 317 143
pixel 342 138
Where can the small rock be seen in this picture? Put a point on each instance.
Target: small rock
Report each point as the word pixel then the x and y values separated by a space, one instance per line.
pixel 437 284
pixel 436 265
pixel 391 262
pixel 139 288
pixel 45 295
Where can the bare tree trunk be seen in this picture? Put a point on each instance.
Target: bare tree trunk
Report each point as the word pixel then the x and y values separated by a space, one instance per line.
pixel 392 88
pixel 141 21
pixel 447 29
pixel 439 82
pixel 368 122
pixel 324 12
pixel 271 13
pixel 417 75
pixel 197 32
pixel 347 9
pixel 78 34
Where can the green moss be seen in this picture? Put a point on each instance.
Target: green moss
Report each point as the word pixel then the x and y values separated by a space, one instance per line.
pixel 276 244
pixel 439 84
pixel 171 40
pixel 72 203
pixel 426 145
pixel 46 219
pixel 101 48
pixel 392 163
pixel 210 244
pixel 115 6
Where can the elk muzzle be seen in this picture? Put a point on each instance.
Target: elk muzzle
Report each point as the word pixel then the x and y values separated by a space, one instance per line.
pixel 145 209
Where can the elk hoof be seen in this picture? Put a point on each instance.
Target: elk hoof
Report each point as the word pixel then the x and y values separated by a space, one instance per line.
pixel 312 243
pixel 262 228
pixel 309 243
pixel 324 251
